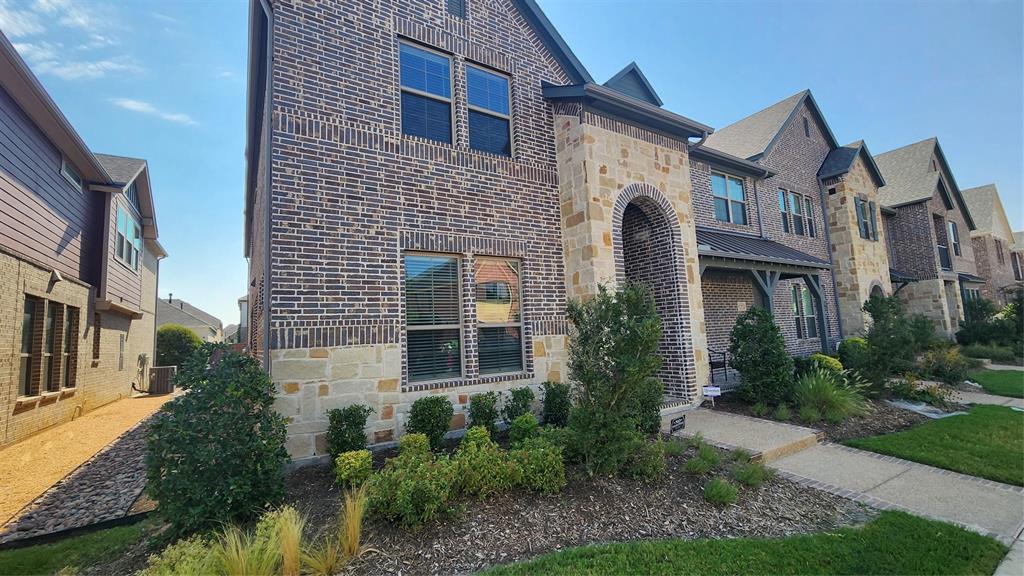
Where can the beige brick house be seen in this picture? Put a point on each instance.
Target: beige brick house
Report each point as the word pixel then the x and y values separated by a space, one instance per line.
pixel 993 244
pixel 79 261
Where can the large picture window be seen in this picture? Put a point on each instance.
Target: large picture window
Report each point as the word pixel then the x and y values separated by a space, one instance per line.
pixel 804 313
pixel 128 244
pixel 490 124
pixel 499 315
pixel 730 198
pixel 433 317
pixel 426 93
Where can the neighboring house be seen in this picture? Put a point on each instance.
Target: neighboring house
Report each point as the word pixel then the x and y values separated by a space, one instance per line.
pixel 928 228
pixel 1017 258
pixel 243 321
pixel 176 311
pixel 993 244
pixel 231 334
pixel 79 261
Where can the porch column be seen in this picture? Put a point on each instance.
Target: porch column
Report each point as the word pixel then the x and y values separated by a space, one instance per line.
pixel 814 284
pixel 765 281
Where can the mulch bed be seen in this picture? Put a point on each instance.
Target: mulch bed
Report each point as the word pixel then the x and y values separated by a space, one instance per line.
pixel 517 526
pixel 885 419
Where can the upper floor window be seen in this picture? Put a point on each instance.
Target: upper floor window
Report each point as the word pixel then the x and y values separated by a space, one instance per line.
pixel 489 118
pixel 128 244
pixel 132 193
pixel 1015 260
pixel 784 209
pixel 457 8
pixel 999 251
pixel 807 128
pixel 867 222
pixel 804 312
pixel 809 216
pixel 498 315
pixel 730 198
pixel 796 211
pixel 954 238
pixel 70 174
pixel 433 317
pixel 426 79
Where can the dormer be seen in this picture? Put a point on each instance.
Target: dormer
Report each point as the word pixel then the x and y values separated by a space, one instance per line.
pixel 632 82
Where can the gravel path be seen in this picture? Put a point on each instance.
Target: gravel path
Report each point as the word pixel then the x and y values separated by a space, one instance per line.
pixel 103 488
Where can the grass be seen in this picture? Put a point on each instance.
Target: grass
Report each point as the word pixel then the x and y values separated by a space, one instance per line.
pixel 986 442
pixel 1000 382
pixel 77 552
pixel 894 543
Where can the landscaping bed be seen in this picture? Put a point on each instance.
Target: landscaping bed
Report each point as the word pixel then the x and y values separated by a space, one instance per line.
pixel 517 526
pixel 884 419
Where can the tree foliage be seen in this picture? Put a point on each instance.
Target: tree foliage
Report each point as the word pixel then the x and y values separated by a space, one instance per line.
pixel 757 351
pixel 175 344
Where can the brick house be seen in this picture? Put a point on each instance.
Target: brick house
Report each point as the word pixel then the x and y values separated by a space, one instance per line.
pixel 79 261
pixel 993 244
pixel 172 310
pixel 1017 256
pixel 928 224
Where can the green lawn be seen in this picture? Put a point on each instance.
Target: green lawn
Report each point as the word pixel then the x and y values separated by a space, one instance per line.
pixel 1001 382
pixel 895 543
pixel 987 442
pixel 76 552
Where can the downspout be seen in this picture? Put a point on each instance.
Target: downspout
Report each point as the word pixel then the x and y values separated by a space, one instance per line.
pixel 267 176
pixel 832 265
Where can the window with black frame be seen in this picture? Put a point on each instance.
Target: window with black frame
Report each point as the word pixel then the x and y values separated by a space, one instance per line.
pixel 730 199
pixel 490 120
pixel 784 210
pixel 804 313
pixel 499 315
pixel 797 212
pixel 426 87
pixel 433 317
pixel 32 307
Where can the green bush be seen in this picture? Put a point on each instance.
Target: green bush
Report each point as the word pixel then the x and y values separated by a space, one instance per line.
pixel 706 460
pixel 416 444
pixel 191 556
pixel 216 454
pixel 565 439
pixel 483 411
pixel 413 488
pixel 557 404
pixel 175 344
pixel 647 463
pixel 945 365
pixel 854 354
pixel 760 409
pixel 523 428
pixel 1000 354
pixel 751 474
pixel 828 395
pixel 922 331
pixel 542 466
pixel 353 468
pixel 483 467
pixel 675 447
pixel 781 413
pixel 740 455
pixel 719 491
pixel 809 414
pixel 910 389
pixel 758 352
pixel 613 358
pixel 519 402
pixel 827 362
pixel 431 415
pixel 983 324
pixel 890 343
pixel 346 429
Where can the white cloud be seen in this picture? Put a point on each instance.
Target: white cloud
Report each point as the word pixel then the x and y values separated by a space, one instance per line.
pixel 98 41
pixel 48 58
pixel 17 23
pixel 165 18
pixel 71 14
pixel 36 52
pixel 147 108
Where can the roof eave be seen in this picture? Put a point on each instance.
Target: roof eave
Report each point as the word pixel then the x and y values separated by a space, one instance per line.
pixel 728 161
pixel 253 130
pixel 554 41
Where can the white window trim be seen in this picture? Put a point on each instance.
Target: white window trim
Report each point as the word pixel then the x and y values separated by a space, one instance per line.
pixel 68 172
pixel 511 124
pixel 450 100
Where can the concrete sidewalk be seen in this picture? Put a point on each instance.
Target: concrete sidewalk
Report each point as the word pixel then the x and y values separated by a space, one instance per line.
pixel 767 440
pixel 983 398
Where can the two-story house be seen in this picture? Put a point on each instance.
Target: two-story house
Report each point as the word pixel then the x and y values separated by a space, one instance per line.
pixel 993 244
pixel 1017 258
pixel 79 261
pixel 928 226
pixel 172 310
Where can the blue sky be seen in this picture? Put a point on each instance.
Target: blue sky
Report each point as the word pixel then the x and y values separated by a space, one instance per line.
pixel 166 81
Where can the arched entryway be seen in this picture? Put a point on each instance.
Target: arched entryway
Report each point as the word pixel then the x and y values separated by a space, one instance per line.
pixel 648 249
pixel 876 291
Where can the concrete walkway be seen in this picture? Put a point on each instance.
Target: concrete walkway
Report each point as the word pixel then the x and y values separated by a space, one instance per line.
pixel 881 481
pixel 1013 563
pixel 964 397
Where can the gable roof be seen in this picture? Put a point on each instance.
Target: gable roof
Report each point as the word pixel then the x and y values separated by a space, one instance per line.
pixel 987 210
pixel 122 169
pixel 910 179
pixel 632 82
pixel 840 161
pixel 753 137
pixel 176 311
pixel 553 40
pixel 1018 241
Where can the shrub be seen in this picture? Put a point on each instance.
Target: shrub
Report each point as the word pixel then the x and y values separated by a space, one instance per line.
pixel 523 428
pixel 346 429
pixel 483 467
pixel 542 465
pixel 854 354
pixel 289 525
pixel 647 463
pixel 186 556
pixel 827 395
pixel 760 409
pixel 675 447
pixel 431 415
pixel 889 340
pixel 412 488
pixel 1003 354
pixel 781 413
pixel 565 439
pixel 910 389
pixel 826 362
pixel 719 491
pixel 483 411
pixel 751 474
pixel 809 414
pixel 216 454
pixel 981 325
pixel 414 445
pixel 613 358
pixel 697 465
pixel 353 468
pixel 518 403
pixel 758 352
pixel 256 552
pixel 922 331
pixel 706 460
pixel 556 404
pixel 945 365
pixel 175 344
pixel 351 523
pixel 740 455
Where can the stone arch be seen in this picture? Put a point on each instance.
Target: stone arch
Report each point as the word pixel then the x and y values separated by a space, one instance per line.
pixel 876 289
pixel 648 246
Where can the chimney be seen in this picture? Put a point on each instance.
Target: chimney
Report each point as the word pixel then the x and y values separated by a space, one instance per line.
pixel 170 297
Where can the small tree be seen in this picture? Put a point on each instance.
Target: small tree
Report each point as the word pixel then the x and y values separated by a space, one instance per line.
pixel 890 339
pixel 175 344
pixel 612 360
pixel 216 454
pixel 757 351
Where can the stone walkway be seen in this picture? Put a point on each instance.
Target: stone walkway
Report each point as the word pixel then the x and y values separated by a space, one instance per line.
pixel 103 487
pixel 881 481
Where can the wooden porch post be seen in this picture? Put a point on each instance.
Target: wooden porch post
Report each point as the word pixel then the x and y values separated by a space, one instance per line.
pixel 766 280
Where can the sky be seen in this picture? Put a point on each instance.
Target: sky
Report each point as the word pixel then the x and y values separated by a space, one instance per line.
pixel 166 81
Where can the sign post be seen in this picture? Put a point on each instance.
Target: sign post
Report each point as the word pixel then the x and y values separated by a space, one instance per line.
pixel 712 392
